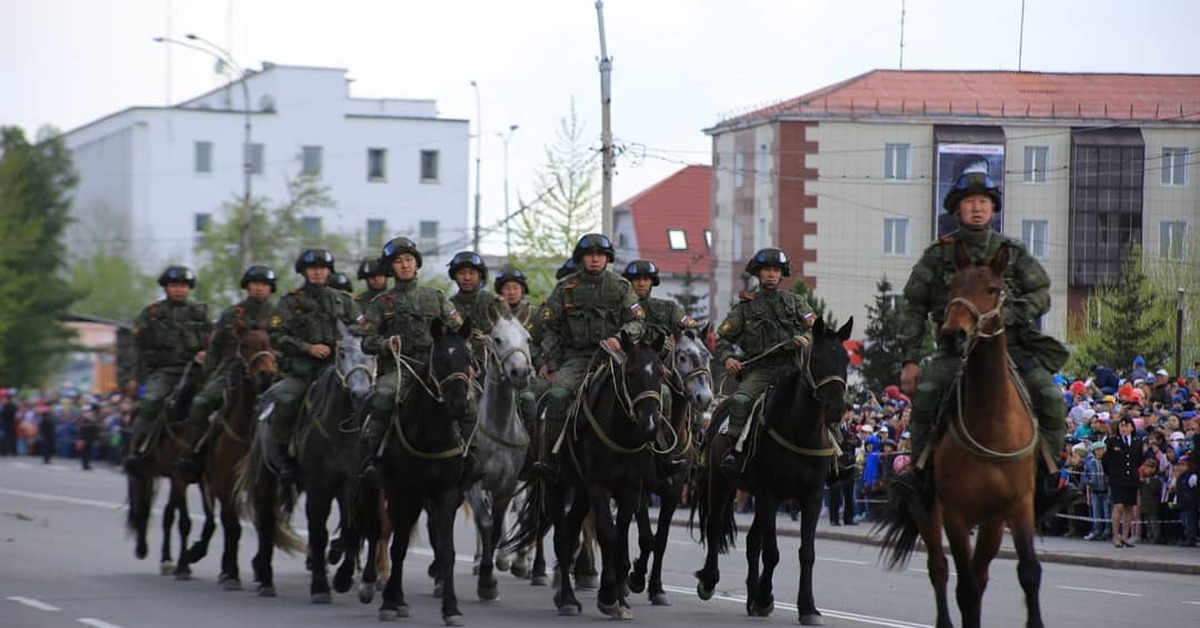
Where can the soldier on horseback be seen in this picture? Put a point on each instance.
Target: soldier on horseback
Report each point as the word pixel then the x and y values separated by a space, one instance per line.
pixel 304 331
pixel 538 385
pixel 512 286
pixel 222 362
pixel 375 273
pixel 974 200
pixel 168 334
pixel 340 281
pixel 397 328
pixel 590 306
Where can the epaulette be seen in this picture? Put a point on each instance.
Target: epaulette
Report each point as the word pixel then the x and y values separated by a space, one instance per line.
pixel 571 285
pixel 745 296
pixel 949 238
pixel 295 292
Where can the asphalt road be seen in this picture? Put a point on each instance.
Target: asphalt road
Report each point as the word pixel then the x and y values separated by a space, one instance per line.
pixel 65 560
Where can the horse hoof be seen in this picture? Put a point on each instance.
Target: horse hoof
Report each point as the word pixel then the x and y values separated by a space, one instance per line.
pixel 519 571
pixel 320 598
pixel 266 590
pixel 637 582
pixel 812 620
pixel 587 582
pixel 183 574
pixel 366 592
pixel 488 594
pixel 140 552
pixel 660 599
pixel 703 592
pixel 342 581
pixel 503 563
pixel 454 620
pixel 568 610
pixel 232 584
pixel 539 580
pixel 392 614
pixel 166 568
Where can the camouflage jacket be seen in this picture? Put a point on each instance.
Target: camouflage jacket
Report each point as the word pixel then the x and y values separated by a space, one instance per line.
pixel 405 311
pixel 168 334
pixel 584 309
pixel 474 307
pixel 664 317
pixel 761 320
pixel 222 357
pixel 363 299
pixel 305 317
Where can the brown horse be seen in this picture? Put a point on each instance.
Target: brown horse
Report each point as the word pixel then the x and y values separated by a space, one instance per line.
pixel 984 464
pixel 230 442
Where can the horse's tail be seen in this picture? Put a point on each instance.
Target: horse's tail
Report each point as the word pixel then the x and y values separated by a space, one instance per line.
pixel 249 475
pixel 246 480
pixel 140 489
pixel 713 497
pixel 531 520
pixel 900 525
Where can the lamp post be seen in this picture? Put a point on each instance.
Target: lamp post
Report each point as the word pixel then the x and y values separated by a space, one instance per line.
pixel 478 158
pixel 222 55
pixel 507 227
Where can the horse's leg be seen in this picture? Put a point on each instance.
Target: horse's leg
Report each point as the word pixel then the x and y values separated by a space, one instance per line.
pixel 607 598
pixel 140 490
pixel 810 512
pixel 987 543
pixel 537 572
pixel 584 569
pixel 179 496
pixel 383 552
pixel 715 504
pixel 967 592
pixel 350 537
pixel 403 514
pixel 316 510
pixel 628 502
pixel 646 542
pixel 166 566
pixel 485 534
pixel 1029 569
pixel 231 525
pixel 762 553
pixel 265 496
pixel 199 549
pixel 668 503
pixel 566 532
pixel 442 510
pixel 939 571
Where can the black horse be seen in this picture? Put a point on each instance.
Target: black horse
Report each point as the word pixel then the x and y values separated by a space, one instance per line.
pixel 422 467
pixel 791 460
pixel 605 457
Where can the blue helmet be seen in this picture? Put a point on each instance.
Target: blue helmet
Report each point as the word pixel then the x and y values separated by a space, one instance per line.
pixel 258 273
pixel 177 274
pixel 315 258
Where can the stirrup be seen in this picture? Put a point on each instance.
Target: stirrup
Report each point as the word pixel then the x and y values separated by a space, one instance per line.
pixel 732 461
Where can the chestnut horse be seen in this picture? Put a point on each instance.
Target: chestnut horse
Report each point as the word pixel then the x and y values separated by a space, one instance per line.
pixel 983 468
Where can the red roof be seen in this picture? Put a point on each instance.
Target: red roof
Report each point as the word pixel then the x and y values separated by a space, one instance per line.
pixel 998 94
pixel 681 201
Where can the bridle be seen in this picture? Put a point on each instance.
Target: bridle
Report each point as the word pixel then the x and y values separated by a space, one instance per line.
pixel 980 319
pixel 430 383
pixel 344 378
pixel 498 359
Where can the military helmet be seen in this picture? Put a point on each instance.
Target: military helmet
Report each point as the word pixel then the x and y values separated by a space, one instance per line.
pixel 467 259
pixel 642 268
pixel 258 273
pixel 769 257
pixel 567 268
pixel 177 274
pixel 508 273
pixel 971 183
pixel 371 266
pixel 315 258
pixel 593 243
pixel 342 282
pixel 395 247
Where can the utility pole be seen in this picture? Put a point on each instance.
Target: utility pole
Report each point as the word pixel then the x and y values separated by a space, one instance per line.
pixel 902 2
pixel 1021 39
pixel 478 159
pixel 606 141
pixel 1179 335
pixel 507 216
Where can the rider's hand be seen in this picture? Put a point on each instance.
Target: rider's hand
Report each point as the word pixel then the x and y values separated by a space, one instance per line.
pixel 613 344
pixel 546 374
pixel 319 351
pixel 801 341
pixel 200 357
pixel 733 366
pixel 910 378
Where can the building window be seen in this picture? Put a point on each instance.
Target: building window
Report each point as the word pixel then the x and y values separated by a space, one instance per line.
pixel 1106 206
pixel 1037 159
pixel 708 239
pixel 310 158
pixel 429 166
pixel 762 172
pixel 760 233
pixel 203 157
pixel 427 239
pixel 895 161
pixel 375 230
pixel 622 241
pixel 1174 166
pixel 202 221
pixel 1171 240
pixel 1035 235
pixel 312 227
pixel 895 236
pixel 677 239
pixel 255 156
pixel 739 168
pixel 376 164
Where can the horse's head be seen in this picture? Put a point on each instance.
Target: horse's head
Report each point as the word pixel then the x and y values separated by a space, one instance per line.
pixel 355 369
pixel 827 366
pixel 974 305
pixel 642 379
pixel 254 349
pixel 449 369
pixel 510 344
pixel 693 362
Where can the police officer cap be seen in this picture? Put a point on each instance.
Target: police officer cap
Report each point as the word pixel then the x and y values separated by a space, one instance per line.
pixel 594 243
pixel 314 258
pixel 642 268
pixel 973 180
pixel 397 246
pixel 258 273
pixel 342 282
pixel 467 259
pixel 567 268
pixel 508 273
pixel 769 258
pixel 177 274
pixel 371 266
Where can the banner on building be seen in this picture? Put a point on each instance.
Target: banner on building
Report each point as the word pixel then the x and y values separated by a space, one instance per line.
pixel 952 159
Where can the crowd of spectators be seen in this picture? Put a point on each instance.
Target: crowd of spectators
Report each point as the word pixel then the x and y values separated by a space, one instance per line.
pixel 64 424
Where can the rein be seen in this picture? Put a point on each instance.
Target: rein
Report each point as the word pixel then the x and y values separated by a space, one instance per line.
pixel 405 364
pixel 813 385
pixel 621 388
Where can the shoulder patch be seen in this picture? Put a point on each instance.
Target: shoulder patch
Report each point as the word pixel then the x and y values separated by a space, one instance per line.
pixel 455 316
pixel 547 312
pixel 637 310
pixel 949 238
pixel 725 327
pixel 276 321
pixel 687 321
pixel 746 296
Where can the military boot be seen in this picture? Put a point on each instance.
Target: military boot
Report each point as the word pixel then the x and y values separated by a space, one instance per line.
pixel 472 470
pixel 842 467
pixel 373 434
pixel 1049 497
pixel 191 464
pixel 136 458
pixel 547 467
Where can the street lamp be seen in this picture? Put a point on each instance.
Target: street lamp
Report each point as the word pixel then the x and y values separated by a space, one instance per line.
pixel 507 227
pixel 478 157
pixel 223 56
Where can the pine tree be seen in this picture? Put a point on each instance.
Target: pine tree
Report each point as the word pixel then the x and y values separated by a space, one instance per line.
pixel 1133 322
pixel 883 354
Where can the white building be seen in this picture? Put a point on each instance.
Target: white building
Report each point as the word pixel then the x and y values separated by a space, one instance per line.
pixel 152 178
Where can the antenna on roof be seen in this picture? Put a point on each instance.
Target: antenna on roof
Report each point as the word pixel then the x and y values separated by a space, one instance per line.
pixel 902 2
pixel 1021 39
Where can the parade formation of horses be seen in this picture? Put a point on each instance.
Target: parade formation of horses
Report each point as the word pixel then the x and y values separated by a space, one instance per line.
pixel 230 442
pixel 421 468
pixel 982 467
pixel 789 458
pixel 500 441
pixel 690 382
pixel 605 458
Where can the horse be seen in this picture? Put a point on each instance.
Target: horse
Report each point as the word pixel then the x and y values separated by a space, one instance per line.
pixel 500 440
pixel 983 474
pixel 606 457
pixel 691 385
pixel 165 444
pixel 328 450
pixel 231 435
pixel 421 467
pixel 791 460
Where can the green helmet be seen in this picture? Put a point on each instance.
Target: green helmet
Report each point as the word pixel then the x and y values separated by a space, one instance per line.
pixel 177 274
pixel 642 268
pixel 593 243
pixel 467 259
pixel 315 258
pixel 769 257
pixel 258 273
pixel 371 266
pixel 971 183
pixel 567 268
pixel 509 273
pixel 397 246
pixel 342 282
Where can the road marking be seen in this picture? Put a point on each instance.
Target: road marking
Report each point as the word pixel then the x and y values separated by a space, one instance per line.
pixel 78 501
pixel 855 617
pixel 953 574
pixel 97 623
pixel 32 603
pixel 844 561
pixel 1105 591
pixel 1191 602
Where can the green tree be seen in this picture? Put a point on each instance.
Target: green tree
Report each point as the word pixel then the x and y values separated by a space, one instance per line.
pixel 800 287
pixel 687 297
pixel 36 180
pixel 111 285
pixel 882 351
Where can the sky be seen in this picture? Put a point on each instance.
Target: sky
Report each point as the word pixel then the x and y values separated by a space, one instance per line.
pixel 679 66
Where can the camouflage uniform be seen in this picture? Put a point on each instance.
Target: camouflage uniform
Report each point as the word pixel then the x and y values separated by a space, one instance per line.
pixel 364 298
pixel 366 269
pixel 168 334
